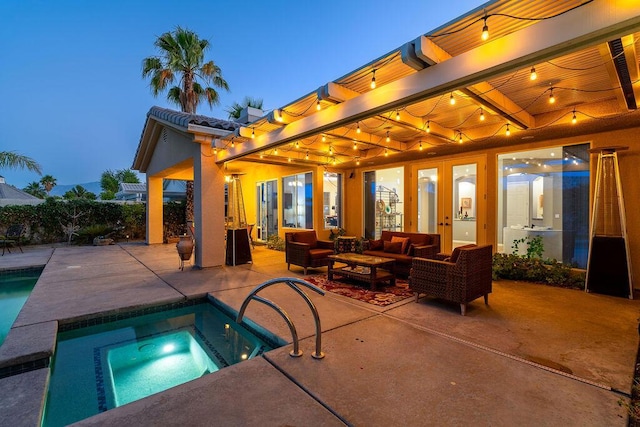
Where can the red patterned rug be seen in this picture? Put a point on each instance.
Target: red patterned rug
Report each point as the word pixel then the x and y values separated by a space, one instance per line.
pixel 385 295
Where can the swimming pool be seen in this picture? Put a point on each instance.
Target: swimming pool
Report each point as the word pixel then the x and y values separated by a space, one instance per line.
pixel 15 288
pixel 101 367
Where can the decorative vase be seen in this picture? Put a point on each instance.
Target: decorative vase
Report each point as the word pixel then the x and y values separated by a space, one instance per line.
pixel 185 248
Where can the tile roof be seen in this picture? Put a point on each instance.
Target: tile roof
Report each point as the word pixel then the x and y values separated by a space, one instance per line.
pixel 10 192
pixel 184 119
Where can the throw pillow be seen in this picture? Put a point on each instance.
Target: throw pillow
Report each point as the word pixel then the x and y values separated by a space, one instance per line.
pixel 405 243
pixel 393 247
pixel 376 245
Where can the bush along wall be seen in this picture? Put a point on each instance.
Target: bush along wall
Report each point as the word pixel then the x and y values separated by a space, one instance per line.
pixel 80 221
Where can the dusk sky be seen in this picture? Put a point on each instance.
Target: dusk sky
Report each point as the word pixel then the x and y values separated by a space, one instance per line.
pixel 74 98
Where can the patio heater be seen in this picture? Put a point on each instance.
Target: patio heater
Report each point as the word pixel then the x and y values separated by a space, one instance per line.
pixel 609 265
pixel 238 243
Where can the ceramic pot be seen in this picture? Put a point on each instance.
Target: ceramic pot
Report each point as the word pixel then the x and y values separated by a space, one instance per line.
pixel 185 248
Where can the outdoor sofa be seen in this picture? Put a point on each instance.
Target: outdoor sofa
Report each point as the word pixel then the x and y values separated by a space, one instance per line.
pixel 411 245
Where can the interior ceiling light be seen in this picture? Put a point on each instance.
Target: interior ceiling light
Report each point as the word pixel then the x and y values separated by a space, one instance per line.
pixel 533 74
pixel 318 107
pixel 358 128
pixel 373 80
pixel 485 29
pixel 397 115
pixel 388 137
pixel 508 132
pixel 574 120
pixel 481 115
pixel 552 99
pixel 452 100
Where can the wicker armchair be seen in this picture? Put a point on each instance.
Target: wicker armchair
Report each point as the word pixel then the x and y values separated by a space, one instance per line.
pixel 304 249
pixel 465 276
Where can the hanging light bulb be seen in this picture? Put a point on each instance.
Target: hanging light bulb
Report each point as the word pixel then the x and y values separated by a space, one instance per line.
pixel 358 161
pixel 485 29
pixel 306 156
pixel 297 144
pixel 373 80
pixel 452 100
pixel 233 143
pixel 261 155
pixel 355 145
pixel 533 74
pixel 324 138
pixel 275 151
pixel 289 159
pixel 334 161
pixel 215 151
pixel 358 128
pixel 318 107
pixel 429 126
pixel 481 115
pixel 508 132
pixel 397 114
pixel 386 152
pixel 552 99
pixel 330 150
pixel 388 137
pixel 420 146
pixel 574 120
pixel 460 135
pixel 253 134
pixel 279 117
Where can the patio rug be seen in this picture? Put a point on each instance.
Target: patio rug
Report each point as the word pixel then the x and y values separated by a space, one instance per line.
pixel 385 295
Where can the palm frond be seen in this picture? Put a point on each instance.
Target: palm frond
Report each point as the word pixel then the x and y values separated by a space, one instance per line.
pixel 174 95
pixel 13 160
pixel 212 96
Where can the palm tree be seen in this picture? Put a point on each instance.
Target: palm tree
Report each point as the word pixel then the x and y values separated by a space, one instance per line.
pixel 79 192
pixel 35 189
pixel 182 57
pixel 13 160
pixel 48 182
pixel 235 109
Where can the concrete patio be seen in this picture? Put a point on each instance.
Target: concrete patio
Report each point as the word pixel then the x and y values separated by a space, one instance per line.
pixel 535 356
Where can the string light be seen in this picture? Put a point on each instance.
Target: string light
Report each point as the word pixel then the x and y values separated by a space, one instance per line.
pixel 289 160
pixel 253 134
pixel 552 99
pixel 373 80
pixel 388 137
pixel 481 115
pixel 574 120
pixel 306 156
pixel 318 107
pixel 452 100
pixel 386 152
pixel 334 161
pixel 460 134
pixel 358 128
pixel 215 151
pixel 533 75
pixel 485 29
pixel 261 155
pixel 358 161
pixel 355 145
pixel 429 126
pixel 397 115
pixel 324 138
pixel 275 151
pixel 420 146
pixel 508 132
pixel 279 117
pixel 233 143
pixel 297 144
pixel 330 150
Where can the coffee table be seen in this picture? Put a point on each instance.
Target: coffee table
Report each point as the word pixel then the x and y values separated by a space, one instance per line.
pixel 364 268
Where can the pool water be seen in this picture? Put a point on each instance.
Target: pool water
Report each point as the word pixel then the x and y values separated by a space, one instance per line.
pixel 101 367
pixel 15 288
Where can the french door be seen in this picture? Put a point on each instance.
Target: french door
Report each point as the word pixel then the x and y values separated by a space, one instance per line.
pixel 451 200
pixel 266 209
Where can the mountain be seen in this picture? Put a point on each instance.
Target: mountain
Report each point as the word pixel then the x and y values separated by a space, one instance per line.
pixel 60 189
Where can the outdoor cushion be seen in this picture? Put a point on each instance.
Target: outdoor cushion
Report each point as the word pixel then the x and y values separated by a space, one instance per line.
pixel 393 247
pixel 320 253
pixel 405 243
pixel 306 237
pixel 376 245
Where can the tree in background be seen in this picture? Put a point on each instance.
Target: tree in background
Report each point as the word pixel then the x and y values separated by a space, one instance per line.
pixel 79 192
pixel 235 109
pixel 35 189
pixel 110 181
pixel 13 160
pixel 181 57
pixel 48 182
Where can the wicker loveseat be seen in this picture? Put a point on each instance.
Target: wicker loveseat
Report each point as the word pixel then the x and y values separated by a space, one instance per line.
pixel 304 249
pixel 420 244
pixel 461 278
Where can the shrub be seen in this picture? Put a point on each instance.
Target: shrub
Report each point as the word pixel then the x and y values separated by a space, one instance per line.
pixel 275 242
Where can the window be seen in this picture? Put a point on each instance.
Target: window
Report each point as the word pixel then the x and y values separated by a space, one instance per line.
pixel 383 197
pixel 297 201
pixel 332 200
pixel 545 193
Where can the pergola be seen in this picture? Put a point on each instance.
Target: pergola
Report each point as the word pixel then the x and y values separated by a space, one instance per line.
pixel 546 70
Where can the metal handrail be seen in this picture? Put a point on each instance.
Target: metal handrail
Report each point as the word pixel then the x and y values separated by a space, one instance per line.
pixel 293 283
